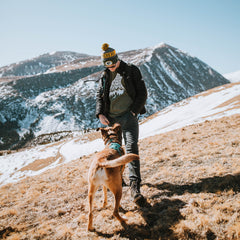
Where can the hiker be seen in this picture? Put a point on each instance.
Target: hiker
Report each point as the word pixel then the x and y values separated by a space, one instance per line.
pixel 121 96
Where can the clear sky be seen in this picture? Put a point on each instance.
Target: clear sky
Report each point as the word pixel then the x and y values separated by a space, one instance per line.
pixel 207 29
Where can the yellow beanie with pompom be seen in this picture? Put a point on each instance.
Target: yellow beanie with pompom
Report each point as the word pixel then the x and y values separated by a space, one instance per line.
pixel 105 46
pixel 109 55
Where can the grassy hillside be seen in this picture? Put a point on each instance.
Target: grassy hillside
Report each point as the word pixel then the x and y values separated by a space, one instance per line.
pixel 191 177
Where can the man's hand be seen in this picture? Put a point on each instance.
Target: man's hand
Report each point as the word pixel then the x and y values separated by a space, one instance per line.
pixel 133 113
pixel 103 119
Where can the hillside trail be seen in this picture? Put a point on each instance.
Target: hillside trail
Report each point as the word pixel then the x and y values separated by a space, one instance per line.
pixel 190 177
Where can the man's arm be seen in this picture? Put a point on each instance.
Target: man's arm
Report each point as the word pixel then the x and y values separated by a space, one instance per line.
pixel 99 99
pixel 141 91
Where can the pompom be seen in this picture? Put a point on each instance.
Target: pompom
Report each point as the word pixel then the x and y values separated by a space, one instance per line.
pixel 105 46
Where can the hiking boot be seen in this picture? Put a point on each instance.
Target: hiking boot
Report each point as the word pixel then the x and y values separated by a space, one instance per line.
pixel 136 195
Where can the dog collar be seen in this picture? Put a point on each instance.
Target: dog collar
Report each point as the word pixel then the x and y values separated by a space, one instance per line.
pixel 117 147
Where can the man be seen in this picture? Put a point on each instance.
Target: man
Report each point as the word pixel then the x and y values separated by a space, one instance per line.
pixel 121 96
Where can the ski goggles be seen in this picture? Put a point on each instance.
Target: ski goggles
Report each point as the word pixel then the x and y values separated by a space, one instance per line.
pixel 108 63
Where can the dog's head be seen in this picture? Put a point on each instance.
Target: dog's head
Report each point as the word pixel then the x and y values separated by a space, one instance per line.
pixel 112 134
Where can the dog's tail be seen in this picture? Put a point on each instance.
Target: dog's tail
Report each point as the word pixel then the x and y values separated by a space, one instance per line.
pixel 119 161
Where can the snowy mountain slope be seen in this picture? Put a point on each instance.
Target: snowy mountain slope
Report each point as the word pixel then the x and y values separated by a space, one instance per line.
pixel 233 77
pixel 65 100
pixel 40 64
pixel 212 104
pixel 176 75
pixel 85 62
pixel 209 105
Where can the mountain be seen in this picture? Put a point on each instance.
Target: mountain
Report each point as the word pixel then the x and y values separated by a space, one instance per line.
pixel 63 98
pixel 233 77
pixel 39 64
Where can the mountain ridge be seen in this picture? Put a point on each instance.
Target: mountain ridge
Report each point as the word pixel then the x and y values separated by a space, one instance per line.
pixel 39 64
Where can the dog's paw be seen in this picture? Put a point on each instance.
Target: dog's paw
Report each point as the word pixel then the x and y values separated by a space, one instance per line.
pixel 121 209
pixel 91 229
pixel 124 222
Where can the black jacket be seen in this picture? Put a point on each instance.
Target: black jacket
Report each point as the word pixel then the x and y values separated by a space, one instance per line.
pixel 134 85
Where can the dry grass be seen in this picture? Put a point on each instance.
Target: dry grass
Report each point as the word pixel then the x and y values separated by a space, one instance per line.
pixel 191 178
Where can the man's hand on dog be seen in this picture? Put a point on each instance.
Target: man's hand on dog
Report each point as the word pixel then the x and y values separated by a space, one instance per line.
pixel 103 119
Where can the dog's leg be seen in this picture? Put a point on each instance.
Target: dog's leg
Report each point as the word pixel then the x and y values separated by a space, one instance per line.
pixel 122 170
pixel 118 196
pixel 117 191
pixel 104 196
pixel 91 191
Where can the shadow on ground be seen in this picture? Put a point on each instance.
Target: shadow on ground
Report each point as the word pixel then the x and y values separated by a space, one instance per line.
pixel 159 218
pixel 165 212
pixel 210 185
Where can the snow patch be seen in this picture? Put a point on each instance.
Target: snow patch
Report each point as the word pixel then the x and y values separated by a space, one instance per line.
pixel 52 53
pixel 191 111
pixel 233 77
pixel 73 150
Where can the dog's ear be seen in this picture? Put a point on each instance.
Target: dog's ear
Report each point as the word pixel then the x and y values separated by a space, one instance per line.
pixel 117 127
pixel 103 131
pixel 98 129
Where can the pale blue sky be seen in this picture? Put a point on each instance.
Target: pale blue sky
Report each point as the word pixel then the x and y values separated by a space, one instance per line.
pixel 207 29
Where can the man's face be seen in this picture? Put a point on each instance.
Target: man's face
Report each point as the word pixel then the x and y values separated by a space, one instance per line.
pixel 113 67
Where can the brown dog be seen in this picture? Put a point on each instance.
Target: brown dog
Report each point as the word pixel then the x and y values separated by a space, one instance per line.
pixel 106 169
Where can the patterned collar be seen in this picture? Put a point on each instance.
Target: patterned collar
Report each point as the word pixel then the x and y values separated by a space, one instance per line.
pixel 117 147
